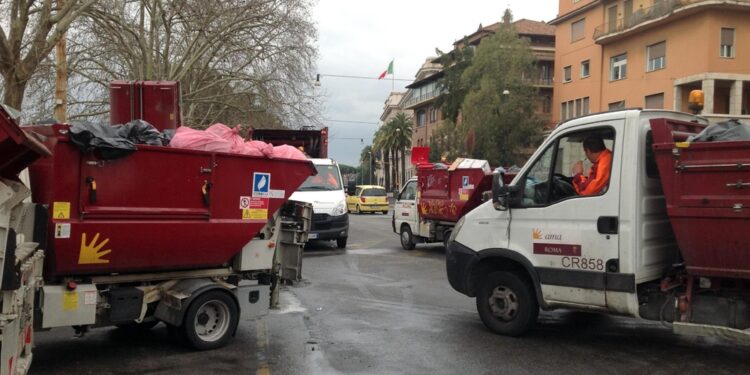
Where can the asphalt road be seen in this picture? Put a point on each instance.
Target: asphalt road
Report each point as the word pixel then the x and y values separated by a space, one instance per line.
pixel 377 309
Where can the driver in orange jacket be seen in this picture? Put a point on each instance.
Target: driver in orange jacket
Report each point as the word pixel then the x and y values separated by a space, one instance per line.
pixel 598 178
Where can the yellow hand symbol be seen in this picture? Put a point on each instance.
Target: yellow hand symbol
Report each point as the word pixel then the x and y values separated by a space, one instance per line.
pixel 90 253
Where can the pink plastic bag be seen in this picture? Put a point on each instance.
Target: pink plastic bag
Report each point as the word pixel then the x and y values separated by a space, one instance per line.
pixel 288 152
pixel 265 149
pixel 193 139
pixel 232 135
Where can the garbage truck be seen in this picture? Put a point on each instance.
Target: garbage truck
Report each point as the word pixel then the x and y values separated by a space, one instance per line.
pixel 198 240
pixel 665 240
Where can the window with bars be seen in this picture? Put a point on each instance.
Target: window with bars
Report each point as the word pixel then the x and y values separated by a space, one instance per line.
pixel 656 55
pixel 618 67
pixel 727 42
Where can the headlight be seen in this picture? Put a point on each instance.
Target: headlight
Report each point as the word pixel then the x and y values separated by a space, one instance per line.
pixel 339 210
pixel 456 228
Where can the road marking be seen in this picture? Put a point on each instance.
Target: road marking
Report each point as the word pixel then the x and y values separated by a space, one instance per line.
pixel 262 342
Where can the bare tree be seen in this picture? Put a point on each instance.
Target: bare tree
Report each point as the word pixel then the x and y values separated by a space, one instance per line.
pixel 236 60
pixel 33 29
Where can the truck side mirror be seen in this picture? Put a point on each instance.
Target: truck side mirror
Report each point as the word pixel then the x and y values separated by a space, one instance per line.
pixel 499 193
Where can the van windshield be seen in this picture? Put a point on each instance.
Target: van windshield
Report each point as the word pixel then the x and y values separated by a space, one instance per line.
pixel 328 178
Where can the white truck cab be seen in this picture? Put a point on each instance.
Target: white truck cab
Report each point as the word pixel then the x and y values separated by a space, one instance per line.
pixel 325 191
pixel 549 247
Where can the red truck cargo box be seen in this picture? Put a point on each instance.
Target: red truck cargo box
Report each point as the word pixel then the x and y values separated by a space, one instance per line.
pixel 707 188
pixel 156 102
pixel 447 194
pixel 18 149
pixel 158 208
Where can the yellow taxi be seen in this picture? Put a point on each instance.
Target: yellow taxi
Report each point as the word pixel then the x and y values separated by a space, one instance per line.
pixel 367 198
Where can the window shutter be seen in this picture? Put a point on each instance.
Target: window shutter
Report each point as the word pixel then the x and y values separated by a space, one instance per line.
pixel 657 50
pixel 727 36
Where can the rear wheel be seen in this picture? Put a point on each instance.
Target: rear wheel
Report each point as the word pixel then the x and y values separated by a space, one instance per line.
pixel 506 303
pixel 341 242
pixel 211 320
pixel 407 238
pixel 385 212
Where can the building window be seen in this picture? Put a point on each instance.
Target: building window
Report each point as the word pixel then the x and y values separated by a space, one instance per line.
pixel 585 69
pixel 617 105
pixel 655 101
pixel 567 73
pixel 421 117
pixel 577 30
pixel 574 108
pixel 727 42
pixel 656 55
pixel 547 104
pixel 618 67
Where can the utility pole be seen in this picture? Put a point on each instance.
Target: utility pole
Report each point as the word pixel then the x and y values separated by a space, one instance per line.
pixel 61 77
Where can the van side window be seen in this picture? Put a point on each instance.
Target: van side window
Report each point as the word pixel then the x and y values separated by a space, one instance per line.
pixel 552 178
pixel 409 192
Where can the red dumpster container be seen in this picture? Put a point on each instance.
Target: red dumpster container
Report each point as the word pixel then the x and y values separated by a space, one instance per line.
pixel 707 189
pixel 447 194
pixel 159 208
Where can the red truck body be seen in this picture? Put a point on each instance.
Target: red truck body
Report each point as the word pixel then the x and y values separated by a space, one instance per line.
pixel 448 194
pixel 159 208
pixel 157 102
pixel 707 200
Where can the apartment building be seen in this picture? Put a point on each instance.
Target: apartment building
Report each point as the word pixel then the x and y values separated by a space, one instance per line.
pixel 651 54
pixel 421 94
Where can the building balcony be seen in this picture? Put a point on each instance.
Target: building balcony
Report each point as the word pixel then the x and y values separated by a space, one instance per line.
pixel 419 99
pixel 657 13
pixel 540 82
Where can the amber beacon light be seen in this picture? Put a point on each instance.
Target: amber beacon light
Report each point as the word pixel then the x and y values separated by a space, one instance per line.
pixel 695 101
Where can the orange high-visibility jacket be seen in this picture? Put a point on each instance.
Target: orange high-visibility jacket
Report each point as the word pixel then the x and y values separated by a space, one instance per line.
pixel 598 176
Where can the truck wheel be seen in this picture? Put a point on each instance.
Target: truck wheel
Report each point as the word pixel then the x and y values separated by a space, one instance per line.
pixel 211 320
pixel 507 304
pixel 407 239
pixel 341 242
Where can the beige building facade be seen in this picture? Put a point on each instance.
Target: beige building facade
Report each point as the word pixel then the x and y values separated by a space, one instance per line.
pixel 651 54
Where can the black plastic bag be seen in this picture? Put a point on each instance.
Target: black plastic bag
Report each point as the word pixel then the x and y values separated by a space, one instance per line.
pixel 115 141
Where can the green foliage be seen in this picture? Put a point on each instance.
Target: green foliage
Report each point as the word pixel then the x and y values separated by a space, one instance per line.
pixel 449 141
pixel 499 104
pixel 451 87
pixel 391 141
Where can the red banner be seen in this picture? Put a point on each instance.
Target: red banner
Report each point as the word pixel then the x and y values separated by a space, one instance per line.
pixel 557 249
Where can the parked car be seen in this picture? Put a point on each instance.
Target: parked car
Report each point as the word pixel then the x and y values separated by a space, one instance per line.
pixel 367 198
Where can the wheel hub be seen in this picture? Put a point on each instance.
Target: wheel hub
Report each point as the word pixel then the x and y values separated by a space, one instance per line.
pixel 503 303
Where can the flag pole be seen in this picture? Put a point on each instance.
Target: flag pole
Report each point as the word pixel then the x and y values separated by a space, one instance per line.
pixel 393 78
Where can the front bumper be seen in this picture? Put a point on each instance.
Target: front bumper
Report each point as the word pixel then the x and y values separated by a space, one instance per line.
pixel 327 227
pixel 459 262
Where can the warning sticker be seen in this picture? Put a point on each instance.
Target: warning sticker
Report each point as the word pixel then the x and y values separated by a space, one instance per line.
pixel 257 209
pixel 261 184
pixel 89 298
pixel 62 230
pixel 61 210
pixel 276 193
pixel 463 194
pixel 245 203
pixel 70 300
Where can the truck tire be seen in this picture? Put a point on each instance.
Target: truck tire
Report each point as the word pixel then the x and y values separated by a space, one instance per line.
pixel 341 242
pixel 407 238
pixel 211 320
pixel 506 303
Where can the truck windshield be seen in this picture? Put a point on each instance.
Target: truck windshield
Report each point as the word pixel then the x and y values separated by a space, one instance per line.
pixel 328 178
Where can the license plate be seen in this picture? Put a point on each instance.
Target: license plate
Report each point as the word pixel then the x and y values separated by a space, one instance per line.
pixel 312 236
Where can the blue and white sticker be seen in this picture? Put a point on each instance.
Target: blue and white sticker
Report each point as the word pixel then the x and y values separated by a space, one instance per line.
pixel 261 184
pixel 464 181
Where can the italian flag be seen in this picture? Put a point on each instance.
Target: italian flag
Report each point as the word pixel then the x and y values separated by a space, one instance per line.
pixel 387 71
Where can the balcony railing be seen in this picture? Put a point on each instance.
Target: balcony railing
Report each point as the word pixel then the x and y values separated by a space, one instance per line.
pixel 421 98
pixel 658 10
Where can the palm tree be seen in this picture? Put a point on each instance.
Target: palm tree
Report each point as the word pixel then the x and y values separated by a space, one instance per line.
pixel 403 127
pixel 366 162
pixel 380 145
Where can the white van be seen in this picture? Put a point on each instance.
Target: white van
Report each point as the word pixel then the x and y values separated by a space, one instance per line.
pixel 325 191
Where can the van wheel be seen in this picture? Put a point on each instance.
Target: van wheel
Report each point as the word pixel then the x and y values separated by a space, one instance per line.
pixel 407 239
pixel 341 242
pixel 211 320
pixel 506 303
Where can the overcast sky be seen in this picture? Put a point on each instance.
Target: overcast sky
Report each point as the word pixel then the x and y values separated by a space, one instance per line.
pixel 358 38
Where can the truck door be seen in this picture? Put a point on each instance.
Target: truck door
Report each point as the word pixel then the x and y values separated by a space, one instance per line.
pixel 405 209
pixel 572 239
